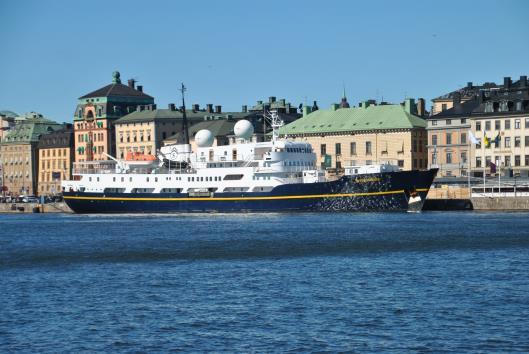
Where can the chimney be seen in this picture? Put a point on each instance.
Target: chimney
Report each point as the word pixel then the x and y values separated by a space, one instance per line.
pixel 244 108
pixel 523 81
pixel 259 103
pixel 139 88
pixel 153 107
pixel 507 82
pixel 271 99
pixel 218 109
pixel 456 99
pixel 421 106
pixel 282 101
pixel 315 107
pixel 131 83
pixel 409 106
pixel 469 84
pixel 209 108
pixel 172 107
pixel 306 110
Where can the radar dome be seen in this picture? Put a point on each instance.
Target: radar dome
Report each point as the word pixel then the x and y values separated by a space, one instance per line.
pixel 243 129
pixel 204 138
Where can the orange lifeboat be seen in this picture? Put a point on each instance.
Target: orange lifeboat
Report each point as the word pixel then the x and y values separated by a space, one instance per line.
pixel 139 156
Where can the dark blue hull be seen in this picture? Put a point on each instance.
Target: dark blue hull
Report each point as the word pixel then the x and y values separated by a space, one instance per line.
pixel 375 192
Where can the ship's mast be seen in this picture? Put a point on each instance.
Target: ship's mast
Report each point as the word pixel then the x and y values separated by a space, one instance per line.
pixel 275 123
pixel 185 130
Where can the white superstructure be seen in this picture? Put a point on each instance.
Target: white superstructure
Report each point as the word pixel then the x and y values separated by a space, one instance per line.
pixel 243 167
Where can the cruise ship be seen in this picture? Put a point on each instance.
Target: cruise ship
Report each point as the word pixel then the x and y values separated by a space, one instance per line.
pixel 272 176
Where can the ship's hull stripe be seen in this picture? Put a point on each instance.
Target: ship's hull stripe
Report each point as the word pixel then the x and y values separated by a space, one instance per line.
pixel 246 198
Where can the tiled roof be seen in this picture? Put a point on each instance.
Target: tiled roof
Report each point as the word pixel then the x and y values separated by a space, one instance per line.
pixel 382 117
pixel 465 108
pixel 219 127
pixel 114 90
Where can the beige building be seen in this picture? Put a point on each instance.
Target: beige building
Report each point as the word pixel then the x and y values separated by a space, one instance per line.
pixel 18 153
pixel 145 129
pixel 56 156
pixel 7 122
pixel 370 134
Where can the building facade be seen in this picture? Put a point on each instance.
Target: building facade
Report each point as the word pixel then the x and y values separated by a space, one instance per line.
pixel 369 134
pixel 56 155
pixel 498 117
pixel 96 112
pixel 145 129
pixel 19 156
pixel 7 122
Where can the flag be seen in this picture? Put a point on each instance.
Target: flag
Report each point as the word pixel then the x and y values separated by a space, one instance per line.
pixel 473 139
pixel 486 140
pixel 492 167
pixel 497 140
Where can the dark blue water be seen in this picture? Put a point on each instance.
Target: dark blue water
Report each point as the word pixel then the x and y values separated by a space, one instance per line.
pixel 430 282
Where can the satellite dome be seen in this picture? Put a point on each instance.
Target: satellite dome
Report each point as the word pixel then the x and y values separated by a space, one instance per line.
pixel 204 138
pixel 243 129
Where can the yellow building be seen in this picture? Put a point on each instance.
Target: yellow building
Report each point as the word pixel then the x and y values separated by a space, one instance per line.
pixel 370 134
pixel 55 160
pixel 18 153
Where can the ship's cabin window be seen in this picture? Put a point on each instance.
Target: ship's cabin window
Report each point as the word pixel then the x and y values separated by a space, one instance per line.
pixel 147 178
pixel 130 179
pixel 122 179
pixel 113 179
pixel 89 179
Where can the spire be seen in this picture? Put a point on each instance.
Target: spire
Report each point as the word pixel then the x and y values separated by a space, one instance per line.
pixel 344 103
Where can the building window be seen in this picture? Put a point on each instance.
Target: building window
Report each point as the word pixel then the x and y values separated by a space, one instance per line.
pixel 338 148
pixel 463 138
pixel 464 156
pixel 517 124
pixel 353 148
pixel 478 126
pixel 400 163
pixel 443 107
pixel 448 122
pixel 448 138
pixel 323 149
pixel 517 160
pixel 526 160
pixel 463 121
pixel 448 157
pixel 527 141
pixel 507 124
pixel 517 141
pixel 526 123
pixel 368 148
pixel 434 122
pixel 497 125
pixel 414 145
pixel 507 161
pixel 507 142
pixel 434 140
pixel 487 125
pixel 164 135
pixel 487 161
pixel 478 161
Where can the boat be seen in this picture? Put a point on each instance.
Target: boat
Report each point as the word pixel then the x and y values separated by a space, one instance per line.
pixel 279 175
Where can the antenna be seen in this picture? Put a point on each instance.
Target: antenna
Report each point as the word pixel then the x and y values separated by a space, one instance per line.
pixel 185 129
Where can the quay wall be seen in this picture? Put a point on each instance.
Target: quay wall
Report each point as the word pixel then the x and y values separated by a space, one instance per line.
pixel 500 203
pixel 30 207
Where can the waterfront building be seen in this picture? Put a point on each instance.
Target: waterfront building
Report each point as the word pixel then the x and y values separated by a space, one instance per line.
pixel 145 129
pixel 448 139
pixel 7 121
pixel 369 134
pixel 96 113
pixel 56 154
pixel 18 153
pixel 446 101
pixel 498 112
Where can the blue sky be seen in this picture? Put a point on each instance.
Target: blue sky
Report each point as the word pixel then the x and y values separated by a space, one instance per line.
pixel 236 52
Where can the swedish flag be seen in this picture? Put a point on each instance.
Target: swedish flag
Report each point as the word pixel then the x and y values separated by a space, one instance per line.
pixel 497 140
pixel 486 141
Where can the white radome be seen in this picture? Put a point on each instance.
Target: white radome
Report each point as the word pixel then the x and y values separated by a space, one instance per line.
pixel 204 138
pixel 243 129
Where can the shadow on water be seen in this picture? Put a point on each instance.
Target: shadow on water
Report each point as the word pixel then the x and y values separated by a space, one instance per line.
pixel 223 237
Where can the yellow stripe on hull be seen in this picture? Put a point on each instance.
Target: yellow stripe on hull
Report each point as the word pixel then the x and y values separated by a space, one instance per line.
pixel 244 198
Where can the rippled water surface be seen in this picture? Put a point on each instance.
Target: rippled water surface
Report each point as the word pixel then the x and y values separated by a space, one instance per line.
pixel 430 282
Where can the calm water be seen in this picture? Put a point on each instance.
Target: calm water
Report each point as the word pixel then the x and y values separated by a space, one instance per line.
pixel 430 282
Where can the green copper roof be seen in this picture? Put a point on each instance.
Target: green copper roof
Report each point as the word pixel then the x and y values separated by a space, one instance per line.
pixel 382 117
pixel 30 129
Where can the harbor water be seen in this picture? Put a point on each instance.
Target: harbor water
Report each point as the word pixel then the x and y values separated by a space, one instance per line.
pixel 382 282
